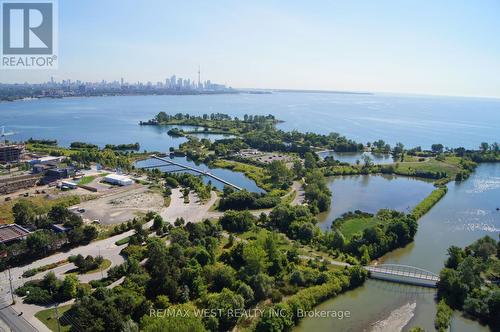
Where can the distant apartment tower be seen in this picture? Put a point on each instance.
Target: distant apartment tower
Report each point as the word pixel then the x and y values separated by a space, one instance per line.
pixel 10 153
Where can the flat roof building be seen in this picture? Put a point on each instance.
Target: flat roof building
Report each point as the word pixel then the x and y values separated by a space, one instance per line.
pixel 12 232
pixel 118 179
pixel 46 160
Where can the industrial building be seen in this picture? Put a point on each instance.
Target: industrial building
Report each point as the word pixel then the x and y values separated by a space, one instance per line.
pixel 46 160
pixel 54 173
pixel 10 152
pixel 118 179
pixel 12 232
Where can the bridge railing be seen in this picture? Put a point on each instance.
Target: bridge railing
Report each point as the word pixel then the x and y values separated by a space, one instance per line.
pixel 186 167
pixel 404 271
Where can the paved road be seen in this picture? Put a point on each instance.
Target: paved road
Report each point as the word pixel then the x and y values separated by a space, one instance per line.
pixel 9 315
pixel 329 261
pixel 12 319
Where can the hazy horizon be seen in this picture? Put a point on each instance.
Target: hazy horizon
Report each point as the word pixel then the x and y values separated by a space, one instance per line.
pixel 418 47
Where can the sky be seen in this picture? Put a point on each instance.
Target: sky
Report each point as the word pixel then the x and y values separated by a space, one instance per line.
pixel 426 46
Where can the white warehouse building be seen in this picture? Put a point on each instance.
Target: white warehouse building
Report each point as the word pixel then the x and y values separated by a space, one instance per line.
pixel 120 180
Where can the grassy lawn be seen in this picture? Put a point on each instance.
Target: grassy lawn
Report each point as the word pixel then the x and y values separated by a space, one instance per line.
pixel 356 225
pixel 48 317
pixel 42 203
pixel 46 149
pixel 450 166
pixel 260 234
pixel 87 179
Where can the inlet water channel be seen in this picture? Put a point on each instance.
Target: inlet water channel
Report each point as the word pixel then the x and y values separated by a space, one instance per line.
pixel 466 213
pixel 370 193
pixel 236 178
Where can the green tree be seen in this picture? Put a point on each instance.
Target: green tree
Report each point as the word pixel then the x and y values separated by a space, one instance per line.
pixel 227 302
pixel 279 173
pixel 437 148
pixel 158 222
pixel 247 293
pixel 298 169
pixel 24 213
pixel 455 256
pixel 38 242
pixel 443 317
pixel 237 221
pixel 69 287
pixel 485 147
pixel 309 161
pixel 90 233
pixel 255 259
pixel 219 276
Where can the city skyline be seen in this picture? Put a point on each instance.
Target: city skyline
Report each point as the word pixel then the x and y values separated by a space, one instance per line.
pixel 321 46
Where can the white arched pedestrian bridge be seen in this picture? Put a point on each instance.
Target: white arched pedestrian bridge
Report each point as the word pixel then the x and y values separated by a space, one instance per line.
pixel 405 274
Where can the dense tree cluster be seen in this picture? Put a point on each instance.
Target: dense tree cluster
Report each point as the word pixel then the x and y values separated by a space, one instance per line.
pixel 305 300
pixel 44 240
pixel 83 145
pixel 189 181
pixel 391 230
pixel 316 191
pixel 124 147
pixel 271 139
pixel 85 264
pixel 219 121
pixel 469 282
pixel 297 222
pixel 237 221
pixel 197 270
pixel 107 158
pixel 50 289
pixel 243 200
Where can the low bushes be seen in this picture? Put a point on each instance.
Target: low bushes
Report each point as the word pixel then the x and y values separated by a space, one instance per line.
pixel 307 299
pixel 242 200
pixel 424 206
pixel 32 272
pixel 49 289
pixel 123 241
pixel 85 264
pixel 443 317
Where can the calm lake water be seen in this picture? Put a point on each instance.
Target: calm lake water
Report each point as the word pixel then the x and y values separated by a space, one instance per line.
pixel 370 193
pixel 353 157
pixel 466 213
pixel 413 120
pixel 236 178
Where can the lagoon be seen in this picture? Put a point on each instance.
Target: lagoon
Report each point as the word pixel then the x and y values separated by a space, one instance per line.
pixel 236 178
pixel 466 213
pixel 370 193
